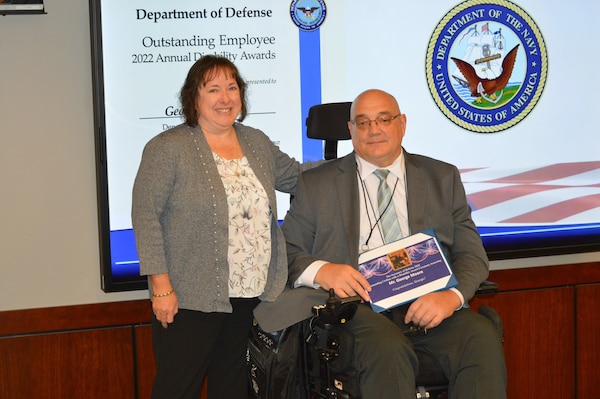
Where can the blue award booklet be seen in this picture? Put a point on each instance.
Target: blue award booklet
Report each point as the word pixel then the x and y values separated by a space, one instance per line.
pixel 404 270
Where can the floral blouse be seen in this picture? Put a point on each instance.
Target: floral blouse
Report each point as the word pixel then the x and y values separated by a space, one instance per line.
pixel 249 250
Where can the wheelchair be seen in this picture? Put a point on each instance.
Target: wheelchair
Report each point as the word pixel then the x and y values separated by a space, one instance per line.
pixel 313 359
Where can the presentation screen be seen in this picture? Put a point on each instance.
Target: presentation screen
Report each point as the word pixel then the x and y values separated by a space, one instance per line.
pixel 503 90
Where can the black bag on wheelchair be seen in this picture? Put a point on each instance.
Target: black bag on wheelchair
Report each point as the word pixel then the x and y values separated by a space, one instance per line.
pixel 311 359
pixel 276 364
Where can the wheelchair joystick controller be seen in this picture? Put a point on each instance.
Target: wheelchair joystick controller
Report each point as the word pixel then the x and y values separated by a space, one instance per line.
pixel 335 311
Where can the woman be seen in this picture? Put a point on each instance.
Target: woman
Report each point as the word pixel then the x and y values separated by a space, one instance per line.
pixel 205 220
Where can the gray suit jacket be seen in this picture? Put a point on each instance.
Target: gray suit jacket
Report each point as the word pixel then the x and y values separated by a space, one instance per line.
pixel 323 224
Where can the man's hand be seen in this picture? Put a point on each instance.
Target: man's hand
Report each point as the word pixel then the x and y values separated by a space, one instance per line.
pixel 344 279
pixel 431 309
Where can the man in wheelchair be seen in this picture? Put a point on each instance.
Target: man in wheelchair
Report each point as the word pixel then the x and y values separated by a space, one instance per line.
pixel 339 212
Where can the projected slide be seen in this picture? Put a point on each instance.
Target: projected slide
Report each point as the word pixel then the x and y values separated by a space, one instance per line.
pixel 503 90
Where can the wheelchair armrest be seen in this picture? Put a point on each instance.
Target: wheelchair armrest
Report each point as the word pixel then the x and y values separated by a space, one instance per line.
pixel 487 287
pixel 494 317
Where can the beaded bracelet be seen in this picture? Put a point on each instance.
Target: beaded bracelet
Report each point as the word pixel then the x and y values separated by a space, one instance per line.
pixel 163 294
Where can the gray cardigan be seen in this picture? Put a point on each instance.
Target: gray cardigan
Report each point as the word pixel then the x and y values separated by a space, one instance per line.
pixel 180 213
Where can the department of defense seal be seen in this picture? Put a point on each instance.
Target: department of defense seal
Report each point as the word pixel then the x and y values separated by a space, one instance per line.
pixel 308 15
pixel 486 65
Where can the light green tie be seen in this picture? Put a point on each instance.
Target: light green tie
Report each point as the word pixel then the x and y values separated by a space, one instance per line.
pixel 388 219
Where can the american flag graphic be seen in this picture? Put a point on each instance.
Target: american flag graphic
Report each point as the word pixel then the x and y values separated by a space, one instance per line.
pixel 562 193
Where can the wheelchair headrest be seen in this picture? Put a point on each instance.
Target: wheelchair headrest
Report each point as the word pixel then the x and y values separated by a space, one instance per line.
pixel 328 121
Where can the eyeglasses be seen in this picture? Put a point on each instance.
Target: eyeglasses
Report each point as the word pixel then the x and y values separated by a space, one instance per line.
pixel 365 123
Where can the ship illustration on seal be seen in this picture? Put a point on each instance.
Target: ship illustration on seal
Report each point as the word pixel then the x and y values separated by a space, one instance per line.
pixel 485 69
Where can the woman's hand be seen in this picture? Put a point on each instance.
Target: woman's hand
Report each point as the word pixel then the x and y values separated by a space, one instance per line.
pixel 165 303
pixel 165 308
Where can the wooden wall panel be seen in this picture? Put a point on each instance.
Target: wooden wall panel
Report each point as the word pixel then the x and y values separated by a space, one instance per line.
pixel 546 276
pixel 75 317
pixel 146 367
pixel 550 315
pixel 588 341
pixel 84 364
pixel 538 341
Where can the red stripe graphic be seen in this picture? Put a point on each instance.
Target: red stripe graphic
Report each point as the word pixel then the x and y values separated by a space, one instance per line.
pixel 558 211
pixel 494 196
pixel 550 172
pixel 572 190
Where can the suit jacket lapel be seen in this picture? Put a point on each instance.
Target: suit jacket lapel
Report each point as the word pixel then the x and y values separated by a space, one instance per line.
pixel 416 194
pixel 348 203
